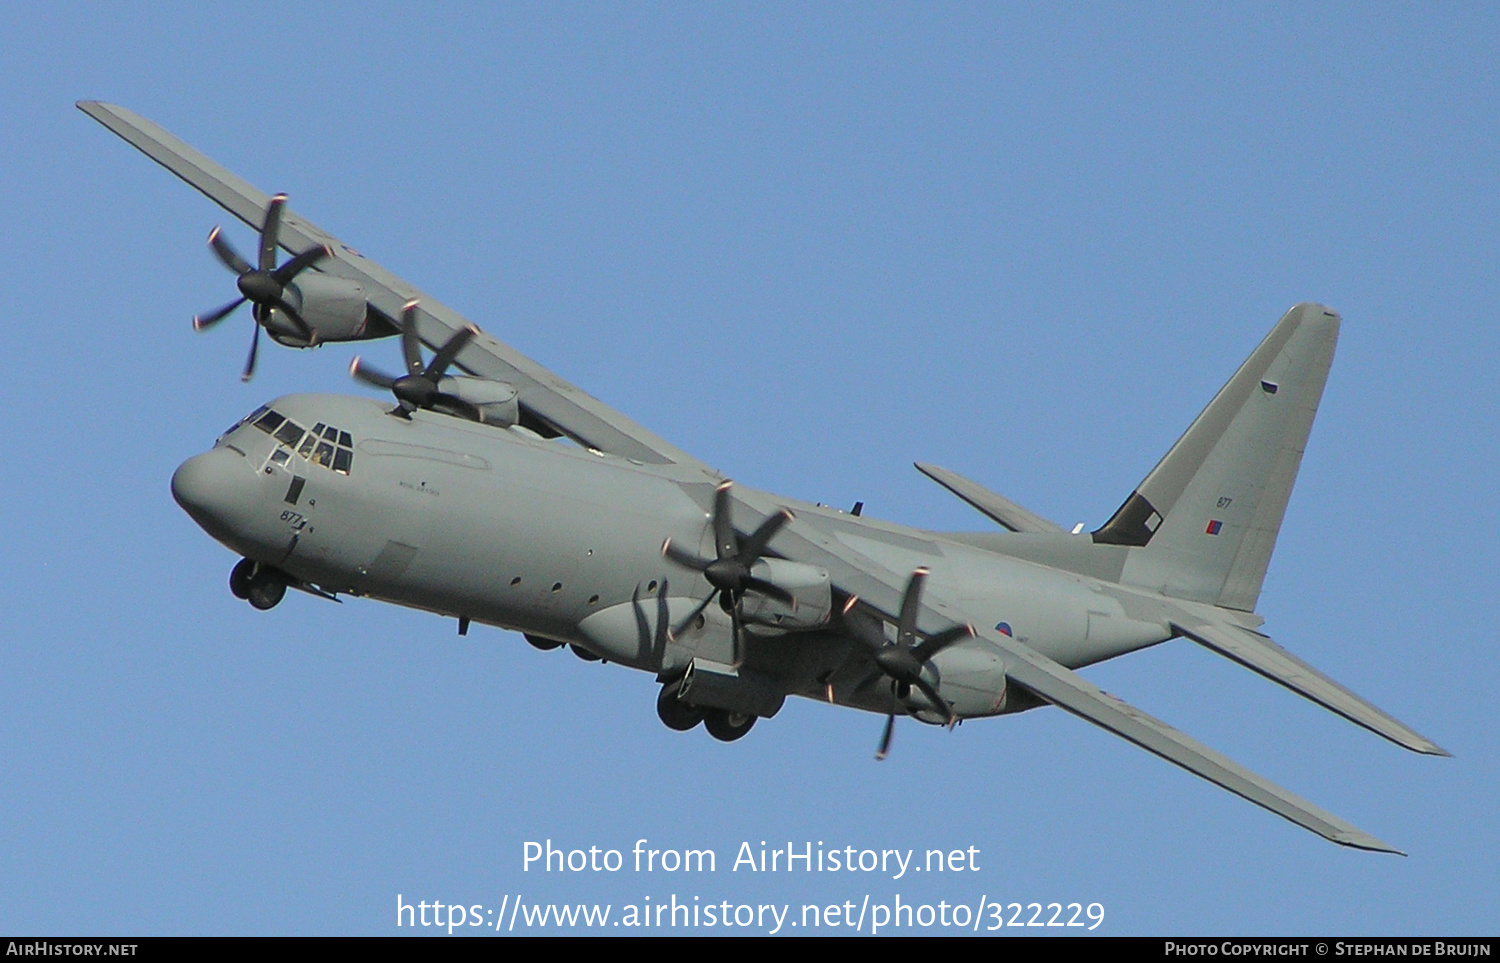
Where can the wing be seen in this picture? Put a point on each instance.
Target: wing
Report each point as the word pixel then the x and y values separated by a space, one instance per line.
pixel 883 588
pixel 550 403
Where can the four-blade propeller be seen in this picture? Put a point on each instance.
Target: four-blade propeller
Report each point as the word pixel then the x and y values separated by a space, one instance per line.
pixel 729 571
pixel 263 286
pixel 902 661
pixel 418 388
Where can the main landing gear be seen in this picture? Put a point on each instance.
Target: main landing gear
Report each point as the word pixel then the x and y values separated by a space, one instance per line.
pixel 263 586
pixel 722 724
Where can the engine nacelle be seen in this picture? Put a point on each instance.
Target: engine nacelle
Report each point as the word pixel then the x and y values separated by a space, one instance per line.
pixel 811 589
pixel 972 679
pixel 497 400
pixel 334 308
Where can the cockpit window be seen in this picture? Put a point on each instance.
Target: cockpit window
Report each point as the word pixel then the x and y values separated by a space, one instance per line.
pixel 269 422
pixel 324 445
pixel 248 418
pixel 289 434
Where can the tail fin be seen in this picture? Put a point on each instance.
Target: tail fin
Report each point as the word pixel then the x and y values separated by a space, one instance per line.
pixel 1205 520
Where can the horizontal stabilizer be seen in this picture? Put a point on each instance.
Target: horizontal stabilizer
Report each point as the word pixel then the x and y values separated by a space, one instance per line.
pixel 997 507
pixel 1068 690
pixel 1257 652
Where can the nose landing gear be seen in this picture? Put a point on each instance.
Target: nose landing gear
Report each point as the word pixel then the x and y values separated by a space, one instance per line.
pixel 263 586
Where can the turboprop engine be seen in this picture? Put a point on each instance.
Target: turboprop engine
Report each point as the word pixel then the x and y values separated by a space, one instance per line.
pixel 297 307
pixel 333 309
pixel 809 591
pixel 496 401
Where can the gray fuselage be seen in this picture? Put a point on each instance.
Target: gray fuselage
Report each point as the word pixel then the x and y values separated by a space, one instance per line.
pixel 502 527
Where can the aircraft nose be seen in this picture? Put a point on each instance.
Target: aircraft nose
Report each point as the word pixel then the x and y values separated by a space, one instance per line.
pixel 214 488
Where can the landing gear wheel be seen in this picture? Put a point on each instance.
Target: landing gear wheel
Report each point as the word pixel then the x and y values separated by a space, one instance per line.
pixel 674 713
pixel 241 577
pixel 266 590
pixel 727 726
pixel 583 653
pixel 542 643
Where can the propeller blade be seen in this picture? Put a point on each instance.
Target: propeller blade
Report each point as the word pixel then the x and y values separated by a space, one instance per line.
pixel 370 376
pixel 755 546
pixel 249 371
pixel 865 683
pixel 448 352
pixel 939 642
pixel 683 557
pixel 866 630
pixel 411 345
pixel 911 604
pixel 298 264
pixel 202 322
pixel 726 542
pixel 467 409
pixel 768 588
pixel 692 616
pixel 736 627
pixel 228 255
pixel 303 328
pixel 937 699
pixel 268 231
pixel 885 738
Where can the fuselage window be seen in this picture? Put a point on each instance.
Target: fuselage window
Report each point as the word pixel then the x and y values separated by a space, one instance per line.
pixel 280 456
pixel 324 454
pixel 342 459
pixel 307 445
pixel 332 434
pixel 345 440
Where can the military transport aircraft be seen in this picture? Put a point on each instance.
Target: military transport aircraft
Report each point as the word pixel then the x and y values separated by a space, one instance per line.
pixel 495 491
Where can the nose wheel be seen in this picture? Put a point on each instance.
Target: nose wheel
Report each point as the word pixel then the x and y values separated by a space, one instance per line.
pixel 263 586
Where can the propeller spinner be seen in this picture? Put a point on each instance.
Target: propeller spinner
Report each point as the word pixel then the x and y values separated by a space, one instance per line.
pixel 902 661
pixel 263 286
pixel 729 572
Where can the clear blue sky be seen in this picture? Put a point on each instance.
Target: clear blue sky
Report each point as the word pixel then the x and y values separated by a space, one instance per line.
pixel 811 245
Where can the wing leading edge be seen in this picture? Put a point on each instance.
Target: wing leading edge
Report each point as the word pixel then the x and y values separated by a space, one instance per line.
pixel 544 395
pixel 1062 687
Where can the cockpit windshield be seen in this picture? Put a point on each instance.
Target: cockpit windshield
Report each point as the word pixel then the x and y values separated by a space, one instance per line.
pixel 323 445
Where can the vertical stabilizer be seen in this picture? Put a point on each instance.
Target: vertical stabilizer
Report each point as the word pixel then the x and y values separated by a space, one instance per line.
pixel 1203 523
